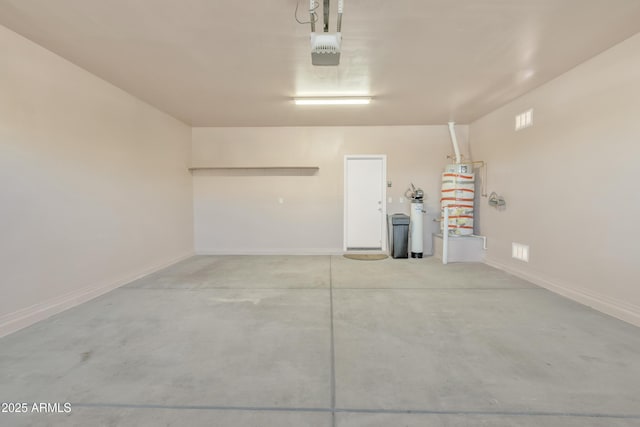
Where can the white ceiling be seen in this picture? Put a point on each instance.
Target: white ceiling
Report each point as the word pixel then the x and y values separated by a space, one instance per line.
pixel 238 63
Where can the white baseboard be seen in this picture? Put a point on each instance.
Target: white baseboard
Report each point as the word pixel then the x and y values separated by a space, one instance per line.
pixel 619 309
pixel 17 320
pixel 280 251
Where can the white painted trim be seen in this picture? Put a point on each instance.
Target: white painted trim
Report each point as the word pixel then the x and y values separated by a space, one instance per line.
pixel 622 310
pixel 22 318
pixel 278 251
pixel 382 157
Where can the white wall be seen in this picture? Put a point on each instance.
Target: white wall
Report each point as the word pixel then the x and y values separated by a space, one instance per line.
pixel 241 214
pixel 94 188
pixel 571 182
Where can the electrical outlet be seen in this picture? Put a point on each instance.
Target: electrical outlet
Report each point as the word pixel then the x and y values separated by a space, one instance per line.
pixel 520 252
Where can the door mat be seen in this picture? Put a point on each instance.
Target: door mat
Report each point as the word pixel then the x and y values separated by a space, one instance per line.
pixel 366 257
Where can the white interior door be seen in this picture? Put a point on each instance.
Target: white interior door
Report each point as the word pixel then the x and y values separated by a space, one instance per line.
pixel 365 207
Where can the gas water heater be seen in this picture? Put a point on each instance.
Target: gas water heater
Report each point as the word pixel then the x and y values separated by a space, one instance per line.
pixel 416 221
pixel 458 195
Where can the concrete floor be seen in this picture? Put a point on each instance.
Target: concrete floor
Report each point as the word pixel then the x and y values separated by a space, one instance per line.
pixel 325 341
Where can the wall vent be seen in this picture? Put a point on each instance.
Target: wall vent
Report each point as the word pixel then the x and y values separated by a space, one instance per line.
pixel 524 120
pixel 520 251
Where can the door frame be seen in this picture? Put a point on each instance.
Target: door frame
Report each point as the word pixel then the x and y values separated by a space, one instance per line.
pixel 383 185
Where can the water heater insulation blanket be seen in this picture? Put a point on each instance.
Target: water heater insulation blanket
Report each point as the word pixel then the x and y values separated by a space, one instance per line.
pixel 457 196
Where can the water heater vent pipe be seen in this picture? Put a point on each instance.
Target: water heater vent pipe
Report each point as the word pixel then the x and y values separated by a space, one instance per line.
pixel 454 141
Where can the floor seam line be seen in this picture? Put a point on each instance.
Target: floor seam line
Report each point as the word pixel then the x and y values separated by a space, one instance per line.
pixel 357 410
pixel 333 348
pixel 441 289
pixel 488 413
pixel 201 407
pixel 338 289
pixel 222 289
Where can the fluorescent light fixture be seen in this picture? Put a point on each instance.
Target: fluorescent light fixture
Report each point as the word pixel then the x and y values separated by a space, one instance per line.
pixel 350 100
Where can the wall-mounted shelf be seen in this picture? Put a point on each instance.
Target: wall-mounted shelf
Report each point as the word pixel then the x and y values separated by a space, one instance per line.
pixel 254 170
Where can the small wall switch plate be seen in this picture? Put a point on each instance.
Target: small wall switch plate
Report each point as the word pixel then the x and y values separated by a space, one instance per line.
pixel 524 120
pixel 280 200
pixel 401 200
pixel 390 200
pixel 520 252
